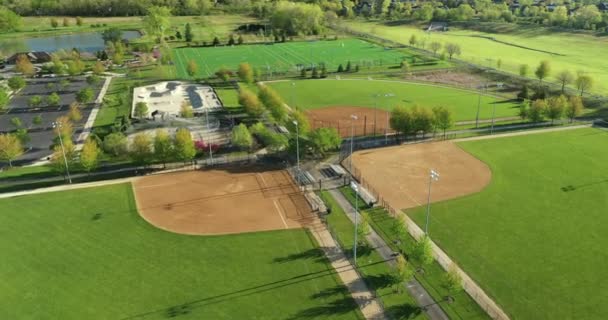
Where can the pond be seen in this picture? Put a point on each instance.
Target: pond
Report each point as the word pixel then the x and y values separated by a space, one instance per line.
pixel 88 41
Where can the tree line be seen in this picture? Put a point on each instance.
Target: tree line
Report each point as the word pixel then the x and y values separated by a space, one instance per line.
pixel 414 120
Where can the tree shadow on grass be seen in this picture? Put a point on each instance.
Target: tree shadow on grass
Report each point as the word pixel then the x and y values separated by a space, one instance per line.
pixel 334 308
pixel 328 292
pixel 380 281
pixel 315 254
pixel 403 311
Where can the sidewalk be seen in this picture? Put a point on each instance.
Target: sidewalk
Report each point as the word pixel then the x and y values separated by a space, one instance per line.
pixel 370 307
pixel 414 288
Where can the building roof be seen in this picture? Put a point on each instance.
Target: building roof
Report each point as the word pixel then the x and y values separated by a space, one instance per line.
pixel 33 56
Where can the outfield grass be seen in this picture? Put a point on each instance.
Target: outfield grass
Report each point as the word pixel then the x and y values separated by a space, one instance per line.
pixel 535 238
pixel 311 94
pixel 518 45
pixel 285 57
pixel 87 254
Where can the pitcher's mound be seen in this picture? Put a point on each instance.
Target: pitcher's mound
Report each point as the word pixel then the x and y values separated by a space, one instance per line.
pixel 221 201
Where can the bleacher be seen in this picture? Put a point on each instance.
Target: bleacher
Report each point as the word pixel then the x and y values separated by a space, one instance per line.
pixel 365 195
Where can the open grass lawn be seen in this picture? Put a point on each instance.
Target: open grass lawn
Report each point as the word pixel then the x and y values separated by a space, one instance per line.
pixel 513 45
pixel 535 239
pixel 285 57
pixel 87 254
pixel 311 94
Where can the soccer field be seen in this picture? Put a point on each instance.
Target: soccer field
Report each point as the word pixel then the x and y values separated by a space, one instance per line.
pixel 535 239
pixel 87 254
pixel 313 94
pixel 289 56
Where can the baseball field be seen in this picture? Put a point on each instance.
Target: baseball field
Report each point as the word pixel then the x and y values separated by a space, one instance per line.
pixel 324 100
pixel 286 57
pixel 534 238
pixel 87 254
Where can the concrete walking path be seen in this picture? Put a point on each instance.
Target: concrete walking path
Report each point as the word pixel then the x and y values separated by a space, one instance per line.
pixel 368 304
pixel 414 288
pixel 86 130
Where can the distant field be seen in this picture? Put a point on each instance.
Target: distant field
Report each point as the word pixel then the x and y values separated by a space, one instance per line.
pixel 87 254
pixel 571 51
pixel 313 94
pixel 286 57
pixel 535 238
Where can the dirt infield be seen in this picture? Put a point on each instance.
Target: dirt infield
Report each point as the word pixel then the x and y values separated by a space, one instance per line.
pixel 401 174
pixel 222 202
pixel 339 117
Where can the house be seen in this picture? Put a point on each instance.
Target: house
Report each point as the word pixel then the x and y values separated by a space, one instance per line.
pixel 34 57
pixel 438 26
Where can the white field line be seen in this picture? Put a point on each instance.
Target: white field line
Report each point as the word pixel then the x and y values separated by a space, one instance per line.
pixel 280 214
pixel 263 180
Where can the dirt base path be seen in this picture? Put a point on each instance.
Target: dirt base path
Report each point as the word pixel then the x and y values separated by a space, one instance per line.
pixel 401 174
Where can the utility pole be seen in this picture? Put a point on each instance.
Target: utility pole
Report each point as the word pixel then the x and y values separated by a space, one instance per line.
pixel 58 126
pixel 433 176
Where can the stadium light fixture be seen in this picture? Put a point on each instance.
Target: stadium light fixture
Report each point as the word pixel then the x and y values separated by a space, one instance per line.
pixel 65 160
pixel 352 136
pixel 433 176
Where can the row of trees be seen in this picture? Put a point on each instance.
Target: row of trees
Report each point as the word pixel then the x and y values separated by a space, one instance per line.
pixel 582 81
pixel 553 108
pixel 416 119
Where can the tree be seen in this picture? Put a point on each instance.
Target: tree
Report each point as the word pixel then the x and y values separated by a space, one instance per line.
pixel 37 120
pixel 34 101
pixel 523 70
pixel 75 67
pixel 452 49
pixel 250 101
pixel 555 108
pixel 584 83
pixel 565 78
pixel 216 42
pixel 524 109
pixel 141 110
pixel 188 33
pixel 89 156
pixel 4 99
pixel 53 99
pixel 79 21
pixel 224 74
pixel 303 72
pixel 314 74
pixel 404 272
pixel 401 120
pixel 405 66
pixel 543 70
pixel 324 139
pixel 245 72
pixel 435 46
pixel 178 35
pixel 423 252
pixel 74 114
pixel 413 40
pixel 16 122
pixel 575 108
pixel 442 118
pixel 323 72
pixel 192 68
pixel 186 110
pixel 231 41
pixel 340 69
pixel 297 18
pixel 118 58
pixel 452 282
pixel 115 144
pixel 163 146
pixel 348 67
pixel 98 68
pixel 498 63
pixel 399 228
pixel 10 148
pixel 9 20
pixel 54 23
pixel 302 120
pixel 273 102
pixel 240 40
pixel 16 83
pixel 66 22
pixel 156 22
pixel 241 137
pixel 85 95
pixel 537 110
pixel 24 65
pixel 422 120
pixel 184 146
pixel 140 149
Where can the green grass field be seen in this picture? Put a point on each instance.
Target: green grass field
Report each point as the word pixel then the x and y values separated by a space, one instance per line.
pixel 86 254
pixel 535 238
pixel 284 57
pixel 311 94
pixel 566 51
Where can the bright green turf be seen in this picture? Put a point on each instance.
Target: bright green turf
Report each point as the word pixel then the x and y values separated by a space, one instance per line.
pixel 311 94
pixel 536 237
pixel 60 262
pixel 285 56
pixel 578 52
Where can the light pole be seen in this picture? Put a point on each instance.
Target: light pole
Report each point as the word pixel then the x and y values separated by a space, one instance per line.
pixel 433 176
pixel 297 151
pixel 354 186
pixel 352 137
pixel 57 125
pixel 209 142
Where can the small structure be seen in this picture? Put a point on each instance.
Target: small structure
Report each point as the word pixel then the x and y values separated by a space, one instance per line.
pixel 365 195
pixel 166 98
pixel 34 57
pixel 438 26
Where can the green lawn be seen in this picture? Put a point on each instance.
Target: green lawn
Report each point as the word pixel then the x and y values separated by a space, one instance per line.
pixel 86 254
pixel 518 45
pixel 535 238
pixel 285 57
pixel 375 270
pixel 311 94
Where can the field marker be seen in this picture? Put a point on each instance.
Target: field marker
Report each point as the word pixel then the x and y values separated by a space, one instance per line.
pixel 156 185
pixel 280 215
pixel 263 181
